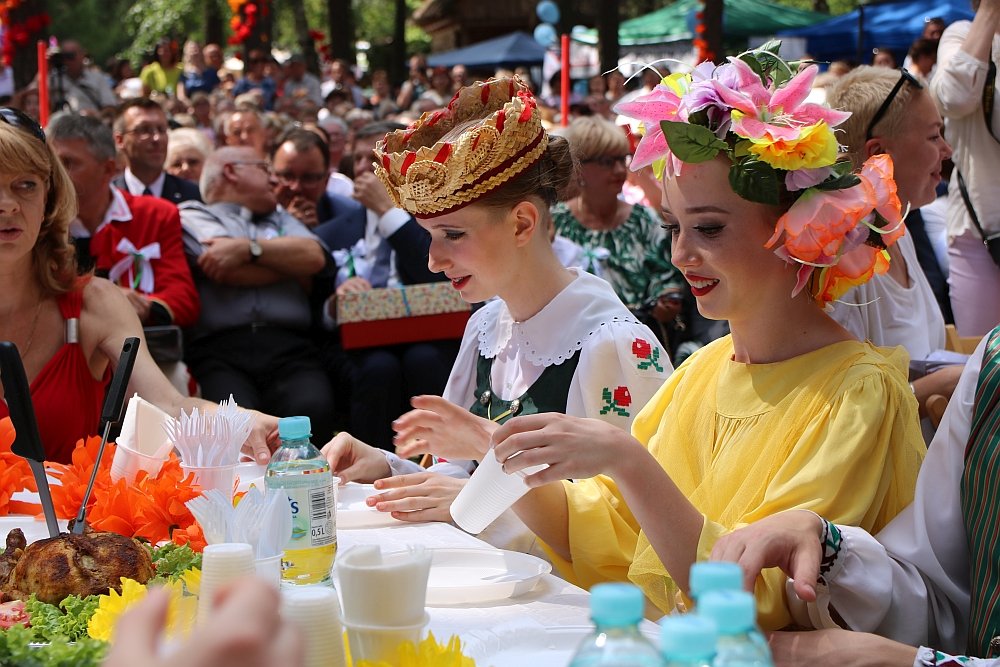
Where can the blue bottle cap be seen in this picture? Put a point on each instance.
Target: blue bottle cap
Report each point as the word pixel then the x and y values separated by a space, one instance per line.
pixel 294 428
pixel 616 605
pixel 713 576
pixel 732 611
pixel 688 637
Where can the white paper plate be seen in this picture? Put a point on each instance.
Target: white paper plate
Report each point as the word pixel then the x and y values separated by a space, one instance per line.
pixel 352 512
pixel 33 530
pixel 552 647
pixel 463 576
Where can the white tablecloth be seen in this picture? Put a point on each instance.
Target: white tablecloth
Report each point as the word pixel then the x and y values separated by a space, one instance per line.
pixel 544 624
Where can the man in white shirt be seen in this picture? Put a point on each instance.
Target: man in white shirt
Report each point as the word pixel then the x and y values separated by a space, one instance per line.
pixel 140 131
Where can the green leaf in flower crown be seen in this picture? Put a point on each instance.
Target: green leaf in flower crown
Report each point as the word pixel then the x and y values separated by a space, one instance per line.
pixel 755 180
pixel 691 143
pixel 839 182
pixel 842 167
pixel 766 63
pixel 750 58
pixel 771 46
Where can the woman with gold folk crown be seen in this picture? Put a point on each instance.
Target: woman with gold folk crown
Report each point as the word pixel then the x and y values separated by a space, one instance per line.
pixel 480 176
pixel 787 411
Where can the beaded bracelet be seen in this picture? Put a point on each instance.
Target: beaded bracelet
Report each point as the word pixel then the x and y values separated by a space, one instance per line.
pixel 831 541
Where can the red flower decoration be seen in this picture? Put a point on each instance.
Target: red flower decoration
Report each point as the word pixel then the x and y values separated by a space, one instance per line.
pixel 641 348
pixel 622 397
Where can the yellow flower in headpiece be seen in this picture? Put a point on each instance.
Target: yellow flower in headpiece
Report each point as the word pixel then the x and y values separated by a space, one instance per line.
pixel 814 146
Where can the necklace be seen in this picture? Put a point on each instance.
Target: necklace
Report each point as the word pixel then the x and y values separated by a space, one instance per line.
pixel 34 326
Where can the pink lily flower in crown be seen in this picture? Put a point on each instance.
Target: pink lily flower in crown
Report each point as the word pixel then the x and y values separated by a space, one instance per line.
pixel 662 103
pixel 779 114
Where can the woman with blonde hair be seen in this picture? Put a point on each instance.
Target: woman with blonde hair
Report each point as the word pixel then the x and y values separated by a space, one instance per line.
pixel 187 150
pixel 624 243
pixel 69 330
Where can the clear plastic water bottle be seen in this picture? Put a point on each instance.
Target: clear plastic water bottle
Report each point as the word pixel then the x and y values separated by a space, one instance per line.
pixel 616 610
pixel 301 471
pixel 687 640
pixel 708 576
pixel 735 616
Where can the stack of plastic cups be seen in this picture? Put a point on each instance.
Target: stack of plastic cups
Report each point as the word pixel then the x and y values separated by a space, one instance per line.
pixel 221 564
pixel 213 477
pixel 314 610
pixel 489 493
pixel 384 598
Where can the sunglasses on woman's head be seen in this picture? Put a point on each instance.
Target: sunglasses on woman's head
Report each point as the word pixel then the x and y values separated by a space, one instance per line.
pixel 904 77
pixel 19 119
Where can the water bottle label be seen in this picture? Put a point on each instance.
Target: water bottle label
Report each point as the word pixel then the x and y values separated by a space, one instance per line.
pixel 314 521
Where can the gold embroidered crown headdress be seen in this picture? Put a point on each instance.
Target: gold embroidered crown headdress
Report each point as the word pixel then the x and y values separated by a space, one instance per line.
pixel 435 177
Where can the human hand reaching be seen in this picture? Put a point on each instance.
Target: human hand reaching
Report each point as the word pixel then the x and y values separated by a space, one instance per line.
pixel 438 426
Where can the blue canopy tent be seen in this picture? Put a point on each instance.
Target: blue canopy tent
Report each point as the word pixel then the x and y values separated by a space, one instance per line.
pixel 513 50
pixel 887 24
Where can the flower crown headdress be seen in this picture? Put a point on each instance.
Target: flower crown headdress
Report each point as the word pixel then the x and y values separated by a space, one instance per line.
pixel 430 177
pixel 783 151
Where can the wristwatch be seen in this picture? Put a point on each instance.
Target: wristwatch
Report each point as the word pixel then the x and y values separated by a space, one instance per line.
pixel 255 251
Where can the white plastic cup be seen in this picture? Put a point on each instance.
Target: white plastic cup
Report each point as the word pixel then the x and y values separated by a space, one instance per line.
pixel 127 463
pixel 315 611
pixel 383 589
pixel 269 569
pixel 213 477
pixel 488 494
pixel 381 643
pixel 221 564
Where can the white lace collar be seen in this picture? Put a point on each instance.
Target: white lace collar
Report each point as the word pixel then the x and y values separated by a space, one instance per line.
pixel 558 330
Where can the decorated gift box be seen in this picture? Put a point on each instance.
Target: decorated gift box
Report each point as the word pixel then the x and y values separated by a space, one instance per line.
pixel 408 314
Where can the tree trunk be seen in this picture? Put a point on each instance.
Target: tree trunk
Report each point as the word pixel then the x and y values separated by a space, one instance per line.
pixel 398 70
pixel 26 27
pixel 341 23
pixel 307 47
pixel 607 33
pixel 260 37
pixel 713 28
pixel 214 33
pixel 821 6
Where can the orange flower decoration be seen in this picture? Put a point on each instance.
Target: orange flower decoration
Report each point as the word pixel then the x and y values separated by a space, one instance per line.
pixel 841 235
pixel 15 475
pixel 191 536
pixel 74 476
pixel 151 507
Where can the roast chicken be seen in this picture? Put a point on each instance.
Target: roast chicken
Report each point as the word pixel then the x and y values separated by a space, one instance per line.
pixel 54 568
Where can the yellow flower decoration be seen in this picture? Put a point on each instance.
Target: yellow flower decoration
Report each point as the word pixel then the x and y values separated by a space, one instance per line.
pixel 112 606
pixel 814 147
pixel 192 580
pixel 180 614
pixel 428 653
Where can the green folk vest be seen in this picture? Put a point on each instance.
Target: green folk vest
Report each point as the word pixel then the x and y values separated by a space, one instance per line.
pixel 547 394
pixel 980 494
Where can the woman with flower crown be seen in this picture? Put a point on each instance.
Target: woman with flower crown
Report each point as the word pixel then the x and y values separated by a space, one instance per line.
pixel 480 176
pixel 789 410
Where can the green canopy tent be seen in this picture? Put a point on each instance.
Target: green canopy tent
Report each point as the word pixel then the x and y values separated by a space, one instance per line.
pixel 741 19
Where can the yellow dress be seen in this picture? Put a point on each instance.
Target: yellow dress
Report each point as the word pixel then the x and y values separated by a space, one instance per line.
pixel 834 430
